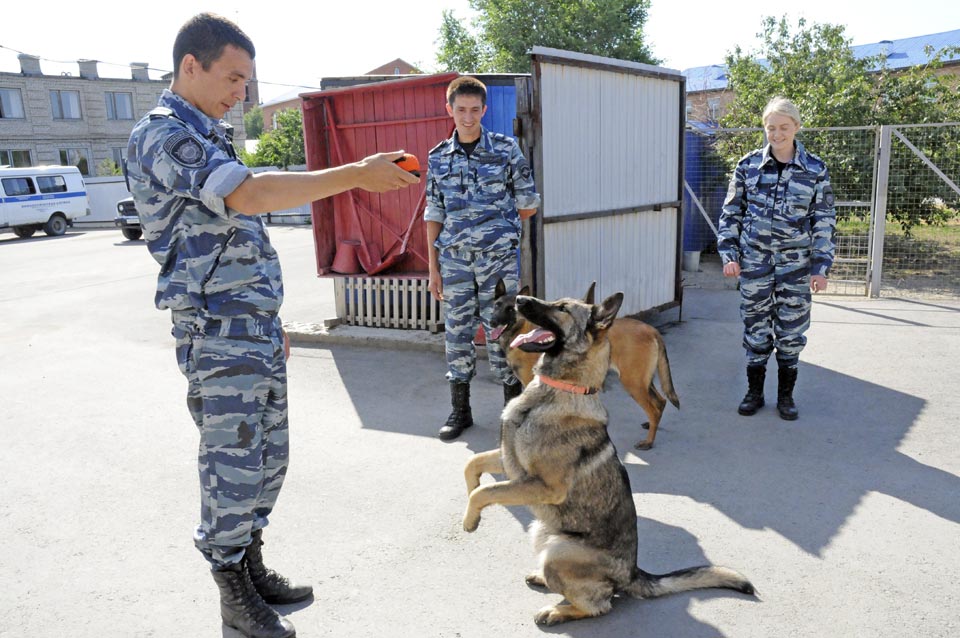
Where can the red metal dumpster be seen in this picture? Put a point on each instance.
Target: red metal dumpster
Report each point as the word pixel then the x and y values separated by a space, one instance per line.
pixel 385 231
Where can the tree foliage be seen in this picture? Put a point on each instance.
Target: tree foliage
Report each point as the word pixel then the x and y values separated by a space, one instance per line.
pixel 282 146
pixel 253 122
pixel 458 49
pixel 507 29
pixel 815 67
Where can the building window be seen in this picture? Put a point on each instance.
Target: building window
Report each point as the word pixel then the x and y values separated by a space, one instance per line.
pixel 18 186
pixel 65 105
pixel 75 157
pixel 117 154
pixel 11 104
pixel 713 108
pixel 51 184
pixel 119 105
pixel 15 158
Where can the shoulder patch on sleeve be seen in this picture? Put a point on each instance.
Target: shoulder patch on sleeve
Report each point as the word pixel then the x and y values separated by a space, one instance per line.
pixel 828 198
pixel 185 149
pixel 525 171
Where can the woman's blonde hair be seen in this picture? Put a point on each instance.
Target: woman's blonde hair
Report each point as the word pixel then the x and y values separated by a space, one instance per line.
pixel 781 106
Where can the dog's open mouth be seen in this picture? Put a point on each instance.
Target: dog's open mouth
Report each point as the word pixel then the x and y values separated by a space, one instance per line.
pixel 537 340
pixel 497 331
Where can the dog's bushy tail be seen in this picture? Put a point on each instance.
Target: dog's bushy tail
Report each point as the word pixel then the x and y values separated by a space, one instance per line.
pixel 663 371
pixel 646 585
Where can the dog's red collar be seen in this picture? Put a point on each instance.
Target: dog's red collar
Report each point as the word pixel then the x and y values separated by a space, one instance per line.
pixel 567 387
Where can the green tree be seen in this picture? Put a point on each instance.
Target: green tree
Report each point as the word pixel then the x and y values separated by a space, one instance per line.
pixel 459 50
pixel 815 67
pixel 253 122
pixel 508 29
pixel 107 168
pixel 283 146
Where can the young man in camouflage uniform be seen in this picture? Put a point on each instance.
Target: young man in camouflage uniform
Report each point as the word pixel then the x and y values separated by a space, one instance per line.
pixel 776 234
pixel 478 187
pixel 220 278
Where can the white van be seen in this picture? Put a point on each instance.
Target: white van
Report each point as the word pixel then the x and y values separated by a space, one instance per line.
pixel 47 197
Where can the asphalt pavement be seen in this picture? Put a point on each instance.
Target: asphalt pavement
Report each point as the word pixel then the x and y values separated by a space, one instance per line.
pixel 846 520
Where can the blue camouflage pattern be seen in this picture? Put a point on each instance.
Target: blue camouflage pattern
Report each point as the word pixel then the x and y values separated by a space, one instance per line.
pixel 476 199
pixel 469 282
pixel 780 229
pixel 211 258
pixel 221 279
pixel 237 396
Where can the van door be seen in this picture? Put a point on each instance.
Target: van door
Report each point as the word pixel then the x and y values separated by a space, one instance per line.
pixel 17 195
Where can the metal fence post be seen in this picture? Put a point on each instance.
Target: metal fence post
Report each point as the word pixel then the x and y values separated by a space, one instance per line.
pixel 879 212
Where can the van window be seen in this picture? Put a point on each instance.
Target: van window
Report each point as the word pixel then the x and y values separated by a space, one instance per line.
pixel 18 186
pixel 52 184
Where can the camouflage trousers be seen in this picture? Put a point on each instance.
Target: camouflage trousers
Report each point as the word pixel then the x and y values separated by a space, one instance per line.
pixel 469 279
pixel 774 304
pixel 237 396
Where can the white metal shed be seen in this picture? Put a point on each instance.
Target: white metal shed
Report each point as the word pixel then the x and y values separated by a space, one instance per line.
pixel 605 138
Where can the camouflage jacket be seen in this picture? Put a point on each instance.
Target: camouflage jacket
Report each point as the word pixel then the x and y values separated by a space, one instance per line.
pixel 180 167
pixel 771 214
pixel 476 198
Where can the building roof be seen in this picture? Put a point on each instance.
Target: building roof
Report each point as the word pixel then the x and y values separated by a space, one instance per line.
pixel 291 95
pixel 901 54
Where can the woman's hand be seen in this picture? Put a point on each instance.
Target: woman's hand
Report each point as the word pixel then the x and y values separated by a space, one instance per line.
pixel 818 283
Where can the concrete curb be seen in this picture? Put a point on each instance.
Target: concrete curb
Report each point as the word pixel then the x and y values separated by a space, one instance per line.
pixel 317 335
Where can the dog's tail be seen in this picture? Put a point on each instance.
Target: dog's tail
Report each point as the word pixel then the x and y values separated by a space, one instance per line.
pixel 646 585
pixel 663 371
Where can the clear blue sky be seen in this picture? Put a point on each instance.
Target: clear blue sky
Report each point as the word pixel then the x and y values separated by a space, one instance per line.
pixel 299 46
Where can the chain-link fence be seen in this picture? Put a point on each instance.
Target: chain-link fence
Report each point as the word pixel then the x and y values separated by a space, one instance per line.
pixel 921 249
pixel 921 243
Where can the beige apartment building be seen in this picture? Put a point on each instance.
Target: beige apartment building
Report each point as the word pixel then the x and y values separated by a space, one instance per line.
pixel 82 120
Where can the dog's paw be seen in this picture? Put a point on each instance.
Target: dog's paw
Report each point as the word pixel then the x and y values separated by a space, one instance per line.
pixel 643 445
pixel 551 615
pixel 535 580
pixel 471 521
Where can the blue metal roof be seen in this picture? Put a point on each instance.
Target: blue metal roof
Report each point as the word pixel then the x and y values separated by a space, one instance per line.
pixel 901 54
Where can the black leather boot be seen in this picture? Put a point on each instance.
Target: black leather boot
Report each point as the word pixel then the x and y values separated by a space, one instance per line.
pixel 511 391
pixel 242 608
pixel 786 379
pixel 461 418
pixel 271 586
pixel 753 400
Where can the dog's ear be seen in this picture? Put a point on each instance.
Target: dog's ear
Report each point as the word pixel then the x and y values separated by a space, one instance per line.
pixel 588 298
pixel 606 312
pixel 525 291
pixel 500 290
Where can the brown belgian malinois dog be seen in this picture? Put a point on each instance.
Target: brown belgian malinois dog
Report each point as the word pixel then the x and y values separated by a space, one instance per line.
pixel 560 462
pixel 637 352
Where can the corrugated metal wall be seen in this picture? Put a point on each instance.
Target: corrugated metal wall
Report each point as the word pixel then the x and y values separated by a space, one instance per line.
pixel 610 164
pixel 347 124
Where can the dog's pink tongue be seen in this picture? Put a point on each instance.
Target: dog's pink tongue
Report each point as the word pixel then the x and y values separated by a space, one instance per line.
pixel 537 335
pixel 497 332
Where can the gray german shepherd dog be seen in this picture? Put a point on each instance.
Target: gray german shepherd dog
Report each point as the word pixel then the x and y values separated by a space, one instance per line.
pixel 560 462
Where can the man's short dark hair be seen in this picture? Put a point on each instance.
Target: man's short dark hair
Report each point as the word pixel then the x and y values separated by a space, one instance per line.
pixel 204 36
pixel 466 85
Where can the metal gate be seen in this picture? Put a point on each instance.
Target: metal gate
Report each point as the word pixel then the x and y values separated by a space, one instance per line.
pixel 916 245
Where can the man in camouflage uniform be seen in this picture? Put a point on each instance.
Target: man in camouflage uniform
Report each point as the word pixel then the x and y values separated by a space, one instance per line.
pixel 776 234
pixel 220 277
pixel 478 187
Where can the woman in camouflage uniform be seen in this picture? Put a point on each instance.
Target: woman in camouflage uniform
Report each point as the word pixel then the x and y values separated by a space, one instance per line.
pixel 776 235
